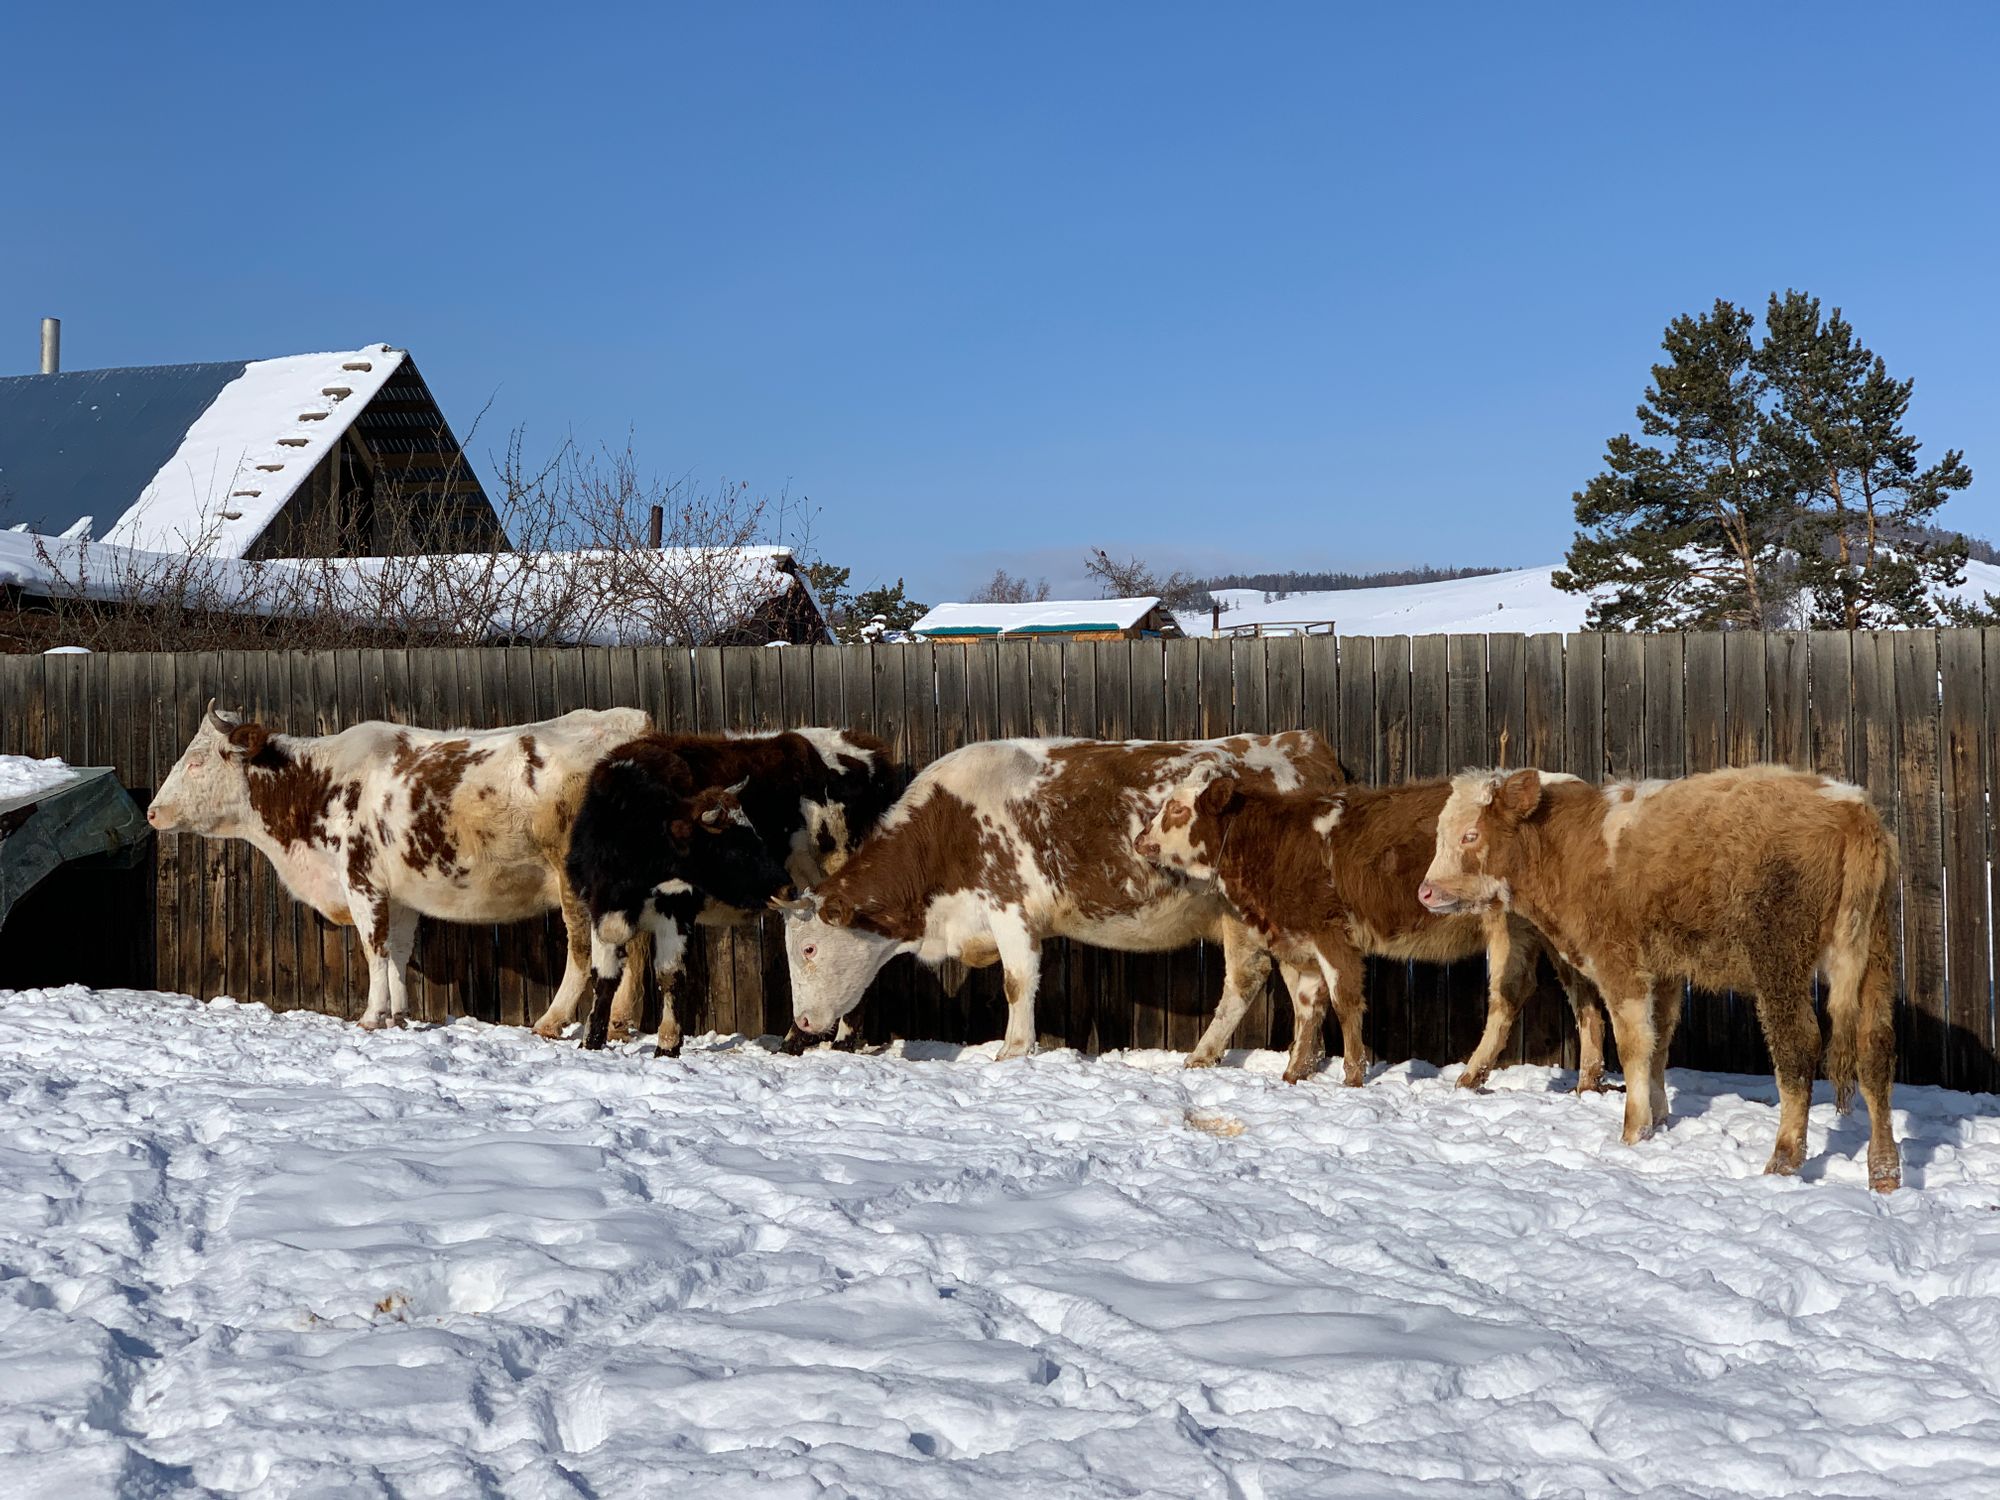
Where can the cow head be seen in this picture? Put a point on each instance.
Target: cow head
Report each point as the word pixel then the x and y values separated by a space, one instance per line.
pixel 1186 833
pixel 721 853
pixel 1479 840
pixel 831 960
pixel 208 790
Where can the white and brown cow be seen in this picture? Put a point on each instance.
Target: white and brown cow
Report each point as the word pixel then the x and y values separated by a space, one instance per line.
pixel 999 846
pixel 1327 875
pixel 381 823
pixel 1750 879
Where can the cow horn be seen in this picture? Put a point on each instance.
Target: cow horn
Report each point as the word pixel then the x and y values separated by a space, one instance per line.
pixel 793 905
pixel 222 725
pixel 737 790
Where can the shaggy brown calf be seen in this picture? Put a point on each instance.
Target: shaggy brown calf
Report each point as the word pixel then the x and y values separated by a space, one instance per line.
pixel 1749 879
pixel 1324 877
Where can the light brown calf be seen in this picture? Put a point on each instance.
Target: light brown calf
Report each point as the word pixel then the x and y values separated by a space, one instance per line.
pixel 1749 879
pixel 1325 877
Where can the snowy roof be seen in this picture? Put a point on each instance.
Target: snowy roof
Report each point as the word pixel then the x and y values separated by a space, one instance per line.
pixel 597 597
pixel 1049 617
pixel 177 458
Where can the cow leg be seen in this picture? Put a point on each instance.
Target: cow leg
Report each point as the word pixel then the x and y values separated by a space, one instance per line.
pixel 1791 1031
pixel 1309 1003
pixel 669 956
pixel 388 937
pixel 607 968
pixel 1588 1008
pixel 1246 967
pixel 576 979
pixel 1341 963
pixel 630 1003
pixel 1510 979
pixel 1021 964
pixel 1667 999
pixel 1631 1005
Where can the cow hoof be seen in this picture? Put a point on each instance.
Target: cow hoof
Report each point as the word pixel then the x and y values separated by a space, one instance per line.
pixel 1591 1083
pixel 622 1031
pixel 673 1051
pixel 1474 1078
pixel 1885 1177
pixel 1012 1051
pixel 548 1031
pixel 1300 1075
pixel 371 1023
pixel 1354 1077
pixel 1200 1060
pixel 848 1043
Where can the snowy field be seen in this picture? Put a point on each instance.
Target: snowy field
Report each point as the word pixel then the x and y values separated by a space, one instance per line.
pixel 250 1253
pixel 1524 599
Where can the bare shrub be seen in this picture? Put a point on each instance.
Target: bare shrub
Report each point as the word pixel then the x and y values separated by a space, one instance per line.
pixel 1133 578
pixel 1004 588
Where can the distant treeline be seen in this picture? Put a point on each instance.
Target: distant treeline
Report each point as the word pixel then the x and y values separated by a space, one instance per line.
pixel 1311 583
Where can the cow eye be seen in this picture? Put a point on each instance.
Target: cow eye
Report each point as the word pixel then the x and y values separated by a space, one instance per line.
pixel 810 949
pixel 1470 836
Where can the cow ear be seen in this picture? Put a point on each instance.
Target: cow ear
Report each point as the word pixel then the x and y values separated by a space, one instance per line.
pixel 715 809
pixel 247 741
pixel 837 911
pixel 1217 796
pixel 1520 794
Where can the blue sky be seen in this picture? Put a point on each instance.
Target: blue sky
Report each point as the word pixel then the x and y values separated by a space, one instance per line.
pixel 1256 286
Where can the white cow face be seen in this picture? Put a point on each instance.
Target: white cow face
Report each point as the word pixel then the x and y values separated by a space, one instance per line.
pixel 831 966
pixel 1176 838
pixel 208 791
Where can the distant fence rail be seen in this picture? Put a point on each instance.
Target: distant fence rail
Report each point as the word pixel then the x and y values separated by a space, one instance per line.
pixel 1909 715
pixel 1257 629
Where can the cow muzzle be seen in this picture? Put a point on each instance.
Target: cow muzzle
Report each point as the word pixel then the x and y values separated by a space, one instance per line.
pixel 806 1024
pixel 1436 899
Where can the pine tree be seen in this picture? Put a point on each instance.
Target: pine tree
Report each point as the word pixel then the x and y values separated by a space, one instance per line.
pixel 1683 533
pixel 1867 553
pixel 888 604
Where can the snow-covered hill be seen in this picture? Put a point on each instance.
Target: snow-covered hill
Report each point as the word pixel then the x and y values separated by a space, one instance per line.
pixel 1523 600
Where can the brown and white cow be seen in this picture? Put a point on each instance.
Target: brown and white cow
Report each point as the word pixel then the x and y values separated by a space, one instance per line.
pixel 1325 877
pixel 999 846
pixel 381 823
pixel 1750 879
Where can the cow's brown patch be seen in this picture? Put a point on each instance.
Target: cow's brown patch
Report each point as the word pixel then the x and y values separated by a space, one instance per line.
pixel 531 760
pixel 291 796
pixel 432 773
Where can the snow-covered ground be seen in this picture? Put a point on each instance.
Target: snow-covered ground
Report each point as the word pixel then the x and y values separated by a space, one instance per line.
pixel 24 776
pixel 1522 600
pixel 250 1253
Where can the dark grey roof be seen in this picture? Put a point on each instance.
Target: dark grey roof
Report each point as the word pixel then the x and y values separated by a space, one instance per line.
pixel 87 442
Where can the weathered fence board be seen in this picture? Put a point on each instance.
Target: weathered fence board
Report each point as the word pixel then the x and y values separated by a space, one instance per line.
pixel 1908 716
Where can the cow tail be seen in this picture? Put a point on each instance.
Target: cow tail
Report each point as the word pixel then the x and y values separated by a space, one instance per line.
pixel 1861 956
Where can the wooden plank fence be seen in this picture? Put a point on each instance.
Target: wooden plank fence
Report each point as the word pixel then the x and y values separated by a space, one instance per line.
pixel 1911 716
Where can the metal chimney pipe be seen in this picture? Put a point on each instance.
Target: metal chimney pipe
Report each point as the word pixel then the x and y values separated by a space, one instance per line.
pixel 51 345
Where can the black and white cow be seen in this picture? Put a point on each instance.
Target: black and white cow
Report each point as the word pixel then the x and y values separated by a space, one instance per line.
pixel 676 830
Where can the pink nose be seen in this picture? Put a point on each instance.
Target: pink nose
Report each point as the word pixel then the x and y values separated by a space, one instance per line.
pixel 153 816
pixel 1428 894
pixel 805 1024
